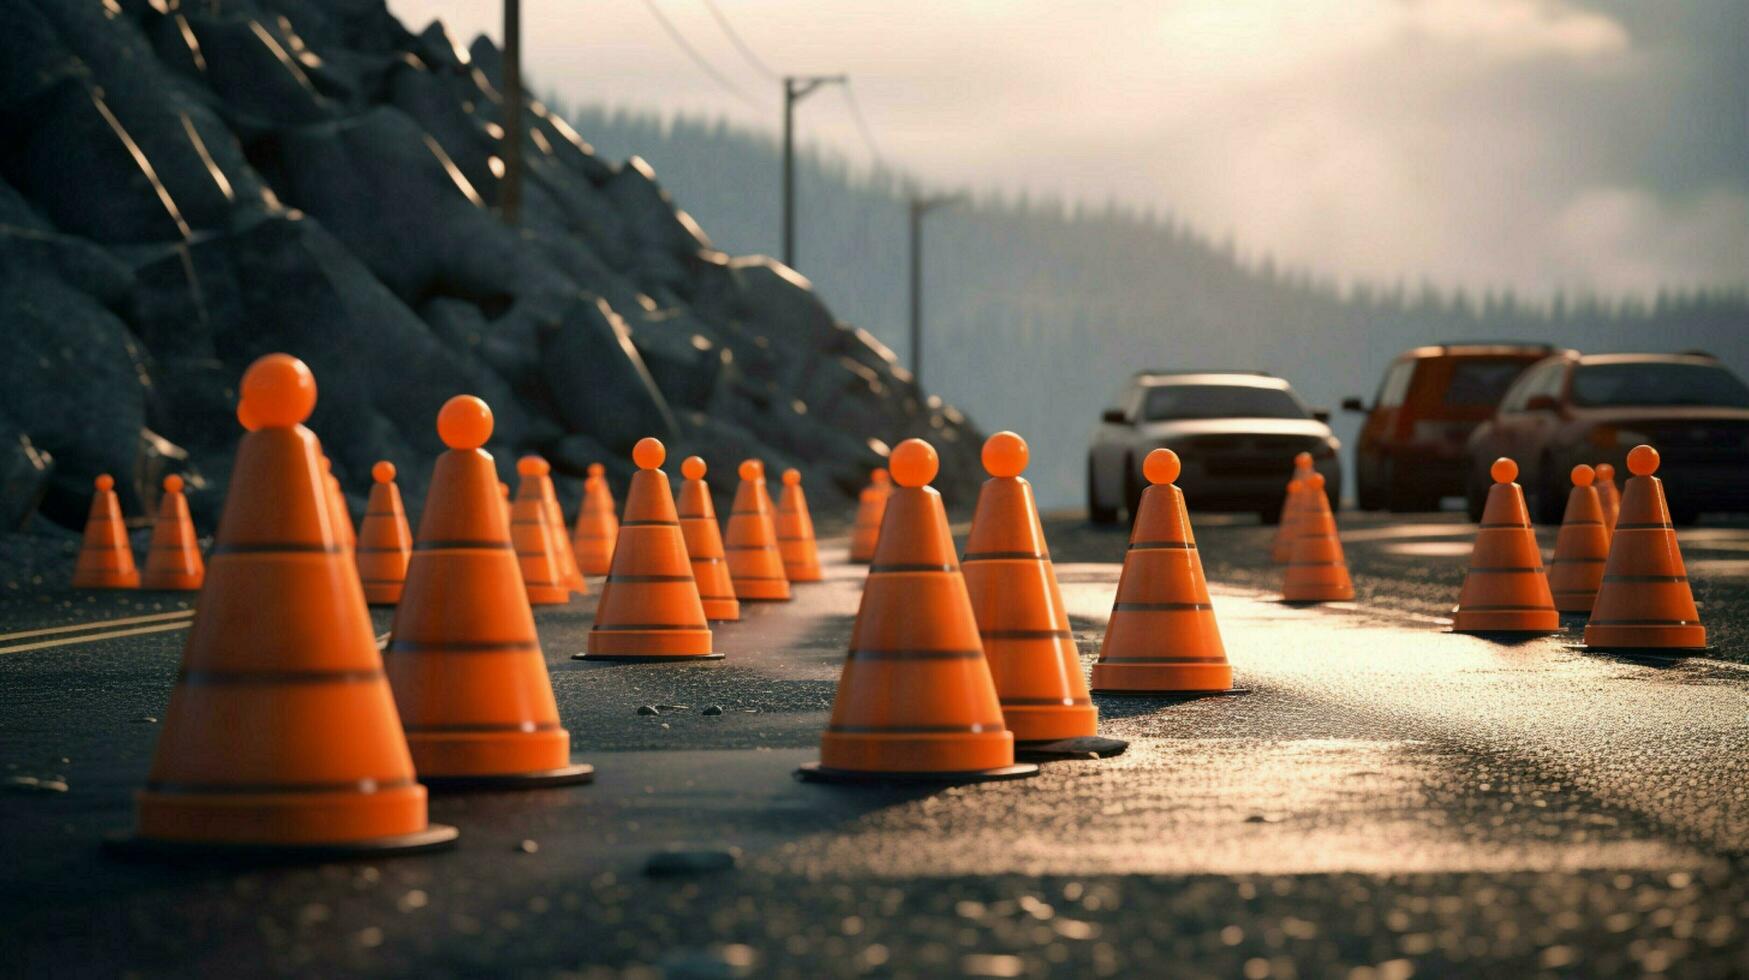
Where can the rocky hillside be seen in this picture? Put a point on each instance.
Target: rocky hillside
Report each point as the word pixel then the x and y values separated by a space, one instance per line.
pixel 184 187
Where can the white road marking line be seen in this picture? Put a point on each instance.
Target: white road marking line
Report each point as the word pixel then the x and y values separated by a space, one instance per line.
pixel 98 624
pixel 93 638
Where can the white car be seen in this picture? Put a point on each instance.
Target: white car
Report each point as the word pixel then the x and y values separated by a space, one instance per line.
pixel 1235 432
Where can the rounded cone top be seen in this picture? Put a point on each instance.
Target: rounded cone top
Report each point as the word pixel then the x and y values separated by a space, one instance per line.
pixel 104 483
pixel 383 471
pixel 1315 481
pixel 533 466
pixel 279 390
pixel 914 463
pixel 1303 460
pixel 792 477
pixel 649 453
pixel 1161 466
pixel 1583 475
pixel 1605 472
pixel 596 469
pixel 879 477
pixel 1643 461
pixel 465 422
pixel 1005 454
pixel 246 417
pixel 693 468
pixel 751 469
pixel 1504 470
pixel 173 484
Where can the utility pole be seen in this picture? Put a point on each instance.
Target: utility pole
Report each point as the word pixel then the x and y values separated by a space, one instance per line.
pixel 510 190
pixel 921 206
pixel 795 89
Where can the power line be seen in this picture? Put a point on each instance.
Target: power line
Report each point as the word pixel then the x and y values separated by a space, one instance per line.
pixel 740 45
pixel 862 127
pixel 697 58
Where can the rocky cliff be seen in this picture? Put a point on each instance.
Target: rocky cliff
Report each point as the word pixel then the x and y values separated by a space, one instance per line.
pixel 185 186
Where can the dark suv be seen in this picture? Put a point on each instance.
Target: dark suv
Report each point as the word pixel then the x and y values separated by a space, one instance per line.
pixel 1411 450
pixel 1571 409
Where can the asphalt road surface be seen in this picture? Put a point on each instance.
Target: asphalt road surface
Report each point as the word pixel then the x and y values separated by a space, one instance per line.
pixel 1389 801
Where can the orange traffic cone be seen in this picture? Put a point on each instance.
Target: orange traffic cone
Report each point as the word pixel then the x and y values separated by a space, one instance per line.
pixel 1162 638
pixel 1608 495
pixel 531 527
pixel 173 560
pixel 1317 570
pixel 1644 602
pixel 870 507
pixel 1581 548
pixel 1506 590
pixel 916 701
pixel 755 564
pixel 704 544
pixel 795 532
pixel 337 502
pixel 281 735
pixel 106 559
pixel 650 609
pixel 1021 618
pixel 597 524
pixel 561 538
pixel 1287 528
pixel 463 657
pixel 385 542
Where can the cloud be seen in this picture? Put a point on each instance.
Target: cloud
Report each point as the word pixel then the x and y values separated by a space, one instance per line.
pixel 1535 144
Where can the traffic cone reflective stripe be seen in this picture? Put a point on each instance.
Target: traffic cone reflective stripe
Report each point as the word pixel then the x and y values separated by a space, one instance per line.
pixel 755 564
pixel 1506 589
pixel 1162 637
pixel 463 657
pixel 1018 606
pixel 173 560
pixel 795 532
pixel 916 698
pixel 1581 548
pixel 106 557
pixel 870 508
pixel 597 524
pixel 281 731
pixel 1644 601
pixel 1317 571
pixel 385 542
pixel 650 607
pixel 704 544
pixel 531 529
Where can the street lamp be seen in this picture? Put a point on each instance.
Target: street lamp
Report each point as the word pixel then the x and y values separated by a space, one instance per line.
pixel 795 89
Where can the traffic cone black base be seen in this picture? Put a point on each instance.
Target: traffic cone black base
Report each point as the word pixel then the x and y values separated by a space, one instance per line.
pixel 629 658
pixel 127 847
pixel 1084 748
pixel 1175 695
pixel 813 772
pixel 571 775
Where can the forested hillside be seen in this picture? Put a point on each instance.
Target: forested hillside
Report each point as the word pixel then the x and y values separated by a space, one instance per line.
pixel 1037 310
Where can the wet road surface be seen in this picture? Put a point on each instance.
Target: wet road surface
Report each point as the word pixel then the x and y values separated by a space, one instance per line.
pixel 1389 801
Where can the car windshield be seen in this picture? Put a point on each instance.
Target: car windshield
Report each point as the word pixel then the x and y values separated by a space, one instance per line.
pixel 1482 380
pixel 1220 402
pixel 1657 383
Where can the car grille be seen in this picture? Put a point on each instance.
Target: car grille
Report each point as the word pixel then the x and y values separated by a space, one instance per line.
pixel 1240 455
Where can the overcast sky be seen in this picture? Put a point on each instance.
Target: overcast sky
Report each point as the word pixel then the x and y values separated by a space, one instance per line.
pixel 1596 144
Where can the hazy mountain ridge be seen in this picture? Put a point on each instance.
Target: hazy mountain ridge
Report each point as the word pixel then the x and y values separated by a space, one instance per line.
pixel 1036 309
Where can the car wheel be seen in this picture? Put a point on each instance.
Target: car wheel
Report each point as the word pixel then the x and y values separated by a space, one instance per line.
pixel 1684 516
pixel 1132 488
pixel 1366 492
pixel 1096 513
pixel 1476 495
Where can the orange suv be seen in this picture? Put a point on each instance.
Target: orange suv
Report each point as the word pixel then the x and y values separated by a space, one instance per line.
pixel 1412 446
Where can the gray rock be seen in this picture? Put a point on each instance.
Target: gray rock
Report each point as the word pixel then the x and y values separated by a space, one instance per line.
pixel 24 477
pixel 598 381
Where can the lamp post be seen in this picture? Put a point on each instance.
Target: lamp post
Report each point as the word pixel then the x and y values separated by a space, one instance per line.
pixel 921 206
pixel 795 89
